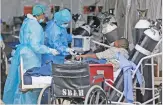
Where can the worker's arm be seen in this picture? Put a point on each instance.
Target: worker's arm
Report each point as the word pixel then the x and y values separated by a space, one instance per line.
pixel 59 43
pixel 56 39
pixel 36 40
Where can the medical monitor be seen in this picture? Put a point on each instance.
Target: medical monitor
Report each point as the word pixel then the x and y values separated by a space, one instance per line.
pixel 81 43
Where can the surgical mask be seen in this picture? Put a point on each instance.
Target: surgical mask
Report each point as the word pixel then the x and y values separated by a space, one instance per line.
pixel 64 25
pixel 41 20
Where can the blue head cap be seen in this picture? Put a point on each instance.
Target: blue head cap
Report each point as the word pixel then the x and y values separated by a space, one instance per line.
pixel 63 16
pixel 38 9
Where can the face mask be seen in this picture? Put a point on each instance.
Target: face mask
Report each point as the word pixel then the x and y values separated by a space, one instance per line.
pixel 64 25
pixel 41 20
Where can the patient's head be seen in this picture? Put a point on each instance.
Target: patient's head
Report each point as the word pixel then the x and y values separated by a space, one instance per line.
pixel 122 43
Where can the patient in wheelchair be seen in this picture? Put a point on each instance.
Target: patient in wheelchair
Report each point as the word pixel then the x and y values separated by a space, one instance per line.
pixel 121 46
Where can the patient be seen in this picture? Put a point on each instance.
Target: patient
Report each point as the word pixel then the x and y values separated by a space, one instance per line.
pixel 120 46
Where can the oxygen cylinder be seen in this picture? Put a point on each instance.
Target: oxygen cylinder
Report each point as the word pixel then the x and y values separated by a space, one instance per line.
pixel 146 44
pixel 111 16
pixel 83 30
pixel 140 26
pixel 110 32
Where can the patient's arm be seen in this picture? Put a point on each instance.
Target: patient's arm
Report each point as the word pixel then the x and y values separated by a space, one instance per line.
pixel 86 56
pixel 107 54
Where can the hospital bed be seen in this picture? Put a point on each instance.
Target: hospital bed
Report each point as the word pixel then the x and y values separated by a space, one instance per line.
pixel 34 84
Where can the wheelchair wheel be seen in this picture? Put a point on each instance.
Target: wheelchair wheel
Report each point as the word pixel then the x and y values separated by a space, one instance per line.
pixel 42 93
pixel 96 95
pixel 68 101
pixel 45 97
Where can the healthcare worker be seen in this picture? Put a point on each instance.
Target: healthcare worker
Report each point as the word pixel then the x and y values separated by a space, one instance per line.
pixel 57 37
pixel 31 48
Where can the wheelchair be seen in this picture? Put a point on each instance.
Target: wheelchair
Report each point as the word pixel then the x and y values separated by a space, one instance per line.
pixel 71 85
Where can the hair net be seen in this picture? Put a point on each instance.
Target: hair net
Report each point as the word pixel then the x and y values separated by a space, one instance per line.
pixel 63 16
pixel 123 43
pixel 38 9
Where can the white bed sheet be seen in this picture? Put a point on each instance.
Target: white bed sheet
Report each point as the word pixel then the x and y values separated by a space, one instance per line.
pixel 41 80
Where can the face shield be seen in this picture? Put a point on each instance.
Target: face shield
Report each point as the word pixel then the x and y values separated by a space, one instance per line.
pixel 65 25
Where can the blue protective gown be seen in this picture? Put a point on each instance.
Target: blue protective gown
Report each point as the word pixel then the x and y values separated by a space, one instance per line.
pixel 30 48
pixel 0 38
pixel 57 37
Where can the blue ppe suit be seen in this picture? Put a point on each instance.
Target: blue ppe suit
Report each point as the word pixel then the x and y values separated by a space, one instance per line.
pixel 57 37
pixel 127 67
pixel 1 38
pixel 30 49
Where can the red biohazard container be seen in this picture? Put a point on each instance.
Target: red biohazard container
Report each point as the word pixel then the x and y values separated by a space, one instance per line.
pixel 101 69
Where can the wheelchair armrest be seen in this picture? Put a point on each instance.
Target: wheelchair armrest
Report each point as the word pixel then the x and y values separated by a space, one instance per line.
pixel 98 76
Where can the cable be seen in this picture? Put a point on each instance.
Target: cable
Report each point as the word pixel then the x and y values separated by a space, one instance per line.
pixel 101 44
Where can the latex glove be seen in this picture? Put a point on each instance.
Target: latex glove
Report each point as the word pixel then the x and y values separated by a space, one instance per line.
pixel 10 59
pixel 13 52
pixel 71 51
pixel 54 51
pixel 2 45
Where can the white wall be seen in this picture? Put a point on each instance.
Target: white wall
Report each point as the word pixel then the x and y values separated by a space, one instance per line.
pixel 10 8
